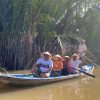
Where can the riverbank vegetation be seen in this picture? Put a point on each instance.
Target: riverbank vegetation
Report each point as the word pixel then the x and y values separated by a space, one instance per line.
pixel 29 27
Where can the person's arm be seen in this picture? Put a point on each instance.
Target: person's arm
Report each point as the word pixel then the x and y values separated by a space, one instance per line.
pixel 34 68
pixel 81 64
pixel 37 64
pixel 84 51
pixel 69 66
pixel 50 67
pixel 61 64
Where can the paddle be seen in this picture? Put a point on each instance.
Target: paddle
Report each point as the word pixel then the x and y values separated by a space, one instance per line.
pixel 85 72
pixel 91 61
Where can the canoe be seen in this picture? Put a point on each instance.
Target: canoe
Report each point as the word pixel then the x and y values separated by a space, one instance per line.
pixel 30 80
pixel 25 80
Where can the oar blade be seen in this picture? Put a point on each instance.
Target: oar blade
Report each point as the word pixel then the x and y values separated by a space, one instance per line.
pixel 88 74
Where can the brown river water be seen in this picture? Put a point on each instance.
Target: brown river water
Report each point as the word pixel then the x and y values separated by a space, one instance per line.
pixel 83 88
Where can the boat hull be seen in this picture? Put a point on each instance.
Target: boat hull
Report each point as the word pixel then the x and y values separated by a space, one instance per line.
pixel 22 80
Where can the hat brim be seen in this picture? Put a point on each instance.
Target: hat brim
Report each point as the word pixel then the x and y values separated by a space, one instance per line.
pixel 46 53
pixel 58 56
pixel 66 57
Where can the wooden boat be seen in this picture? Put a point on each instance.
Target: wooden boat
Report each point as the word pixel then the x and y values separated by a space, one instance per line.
pixel 25 80
pixel 30 80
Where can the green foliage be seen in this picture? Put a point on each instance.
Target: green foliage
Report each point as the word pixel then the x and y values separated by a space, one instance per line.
pixel 45 25
pixel 92 25
pixel 21 21
pixel 51 34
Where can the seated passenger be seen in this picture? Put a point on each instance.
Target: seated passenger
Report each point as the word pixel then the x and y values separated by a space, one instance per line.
pixel 66 66
pixel 75 63
pixel 57 66
pixel 43 66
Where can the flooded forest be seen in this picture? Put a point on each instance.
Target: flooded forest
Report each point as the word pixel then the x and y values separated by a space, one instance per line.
pixel 30 27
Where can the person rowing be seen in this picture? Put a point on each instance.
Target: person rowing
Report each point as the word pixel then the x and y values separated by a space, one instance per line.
pixel 75 63
pixel 82 49
pixel 43 66
pixel 77 66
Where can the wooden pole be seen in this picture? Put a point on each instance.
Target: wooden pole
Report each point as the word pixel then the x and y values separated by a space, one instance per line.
pixel 91 61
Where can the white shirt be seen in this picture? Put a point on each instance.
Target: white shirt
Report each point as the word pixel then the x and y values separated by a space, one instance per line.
pixel 82 48
pixel 44 64
pixel 75 64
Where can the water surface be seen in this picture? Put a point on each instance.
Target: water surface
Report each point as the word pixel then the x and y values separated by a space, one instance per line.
pixel 84 88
